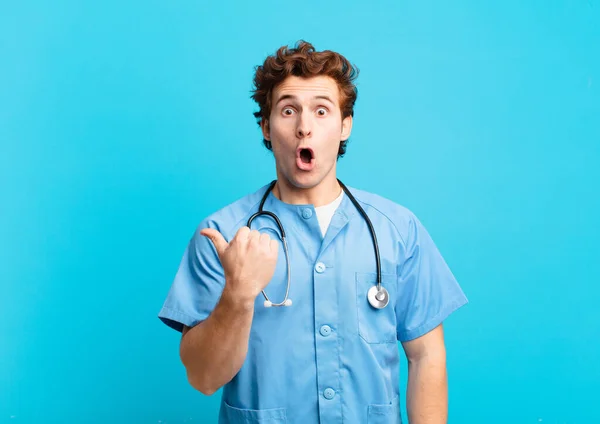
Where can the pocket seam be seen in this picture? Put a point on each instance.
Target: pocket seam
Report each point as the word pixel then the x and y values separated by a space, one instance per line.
pixel 257 415
pixel 386 410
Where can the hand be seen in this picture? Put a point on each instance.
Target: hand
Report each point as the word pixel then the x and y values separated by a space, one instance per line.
pixel 248 261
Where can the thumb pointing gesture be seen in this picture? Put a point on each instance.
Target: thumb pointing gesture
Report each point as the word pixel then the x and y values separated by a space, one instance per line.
pixel 217 239
pixel 248 261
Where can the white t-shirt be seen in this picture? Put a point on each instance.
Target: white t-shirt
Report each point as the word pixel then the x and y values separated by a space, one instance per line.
pixel 325 213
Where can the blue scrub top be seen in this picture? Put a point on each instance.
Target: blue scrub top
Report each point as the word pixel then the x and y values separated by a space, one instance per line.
pixel 330 357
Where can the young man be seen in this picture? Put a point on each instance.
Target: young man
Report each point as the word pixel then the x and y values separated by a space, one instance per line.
pixel 331 355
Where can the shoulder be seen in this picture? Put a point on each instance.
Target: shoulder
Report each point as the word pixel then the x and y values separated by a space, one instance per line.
pixel 399 216
pixel 232 216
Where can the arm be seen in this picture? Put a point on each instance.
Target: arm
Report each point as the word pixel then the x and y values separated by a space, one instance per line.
pixel 427 394
pixel 214 350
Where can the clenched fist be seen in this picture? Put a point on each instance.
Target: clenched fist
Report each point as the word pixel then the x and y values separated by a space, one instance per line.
pixel 248 261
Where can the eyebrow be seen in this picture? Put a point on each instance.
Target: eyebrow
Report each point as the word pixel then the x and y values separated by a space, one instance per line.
pixel 292 97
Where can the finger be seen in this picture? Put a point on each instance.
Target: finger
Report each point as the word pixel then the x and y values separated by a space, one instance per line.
pixel 274 245
pixel 216 238
pixel 254 236
pixel 264 239
pixel 243 233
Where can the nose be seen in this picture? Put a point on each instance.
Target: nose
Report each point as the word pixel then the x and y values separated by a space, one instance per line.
pixel 304 128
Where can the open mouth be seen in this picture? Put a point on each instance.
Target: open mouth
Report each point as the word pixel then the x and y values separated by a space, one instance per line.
pixel 305 158
pixel 306 155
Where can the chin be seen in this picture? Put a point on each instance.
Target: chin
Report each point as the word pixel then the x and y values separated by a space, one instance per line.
pixel 304 181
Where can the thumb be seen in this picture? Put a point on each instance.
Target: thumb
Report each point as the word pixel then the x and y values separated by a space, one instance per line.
pixel 216 238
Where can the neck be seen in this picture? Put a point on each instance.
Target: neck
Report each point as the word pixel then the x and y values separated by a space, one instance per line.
pixel 323 193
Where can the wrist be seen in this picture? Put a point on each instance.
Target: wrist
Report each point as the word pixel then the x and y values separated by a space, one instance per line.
pixel 236 300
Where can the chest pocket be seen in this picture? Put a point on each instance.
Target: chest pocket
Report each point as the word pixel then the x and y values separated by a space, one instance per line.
pixel 376 325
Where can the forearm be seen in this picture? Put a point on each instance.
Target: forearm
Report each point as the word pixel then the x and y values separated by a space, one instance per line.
pixel 427 394
pixel 214 350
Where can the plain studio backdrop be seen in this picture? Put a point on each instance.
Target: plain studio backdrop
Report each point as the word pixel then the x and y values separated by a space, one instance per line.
pixel 123 124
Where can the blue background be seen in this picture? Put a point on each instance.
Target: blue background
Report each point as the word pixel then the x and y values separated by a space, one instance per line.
pixel 123 124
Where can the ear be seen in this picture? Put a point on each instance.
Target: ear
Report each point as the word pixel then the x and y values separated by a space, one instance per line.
pixel 264 126
pixel 346 128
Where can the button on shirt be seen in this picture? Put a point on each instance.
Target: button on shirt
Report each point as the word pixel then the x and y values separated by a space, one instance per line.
pixel 330 357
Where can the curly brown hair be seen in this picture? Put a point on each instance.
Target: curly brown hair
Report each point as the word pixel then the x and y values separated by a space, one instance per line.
pixel 304 61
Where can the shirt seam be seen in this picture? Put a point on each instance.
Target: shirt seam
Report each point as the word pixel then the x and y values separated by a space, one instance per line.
pixel 177 311
pixel 451 306
pixel 244 217
pixel 389 219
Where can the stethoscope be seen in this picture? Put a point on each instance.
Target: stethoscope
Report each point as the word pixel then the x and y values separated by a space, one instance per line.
pixel 377 295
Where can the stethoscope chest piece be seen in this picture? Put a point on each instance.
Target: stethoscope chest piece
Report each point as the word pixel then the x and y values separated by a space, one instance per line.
pixel 378 297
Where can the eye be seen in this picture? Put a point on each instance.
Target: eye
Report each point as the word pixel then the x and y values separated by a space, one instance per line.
pixel 321 111
pixel 288 111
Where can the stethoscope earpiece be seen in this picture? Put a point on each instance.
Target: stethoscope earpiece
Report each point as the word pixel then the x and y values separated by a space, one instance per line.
pixel 286 302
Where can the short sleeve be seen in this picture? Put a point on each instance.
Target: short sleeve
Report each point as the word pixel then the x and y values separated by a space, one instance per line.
pixel 197 286
pixel 427 290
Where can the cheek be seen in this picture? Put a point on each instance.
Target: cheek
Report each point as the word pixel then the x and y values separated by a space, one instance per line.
pixel 281 130
pixel 333 126
pixel 281 142
pixel 334 132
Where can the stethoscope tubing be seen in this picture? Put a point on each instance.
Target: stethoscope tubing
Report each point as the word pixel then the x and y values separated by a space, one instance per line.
pixel 286 301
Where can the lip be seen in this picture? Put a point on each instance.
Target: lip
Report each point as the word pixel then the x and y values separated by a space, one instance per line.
pixel 302 165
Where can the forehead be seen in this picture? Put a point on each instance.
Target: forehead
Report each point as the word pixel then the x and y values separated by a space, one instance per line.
pixel 307 88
